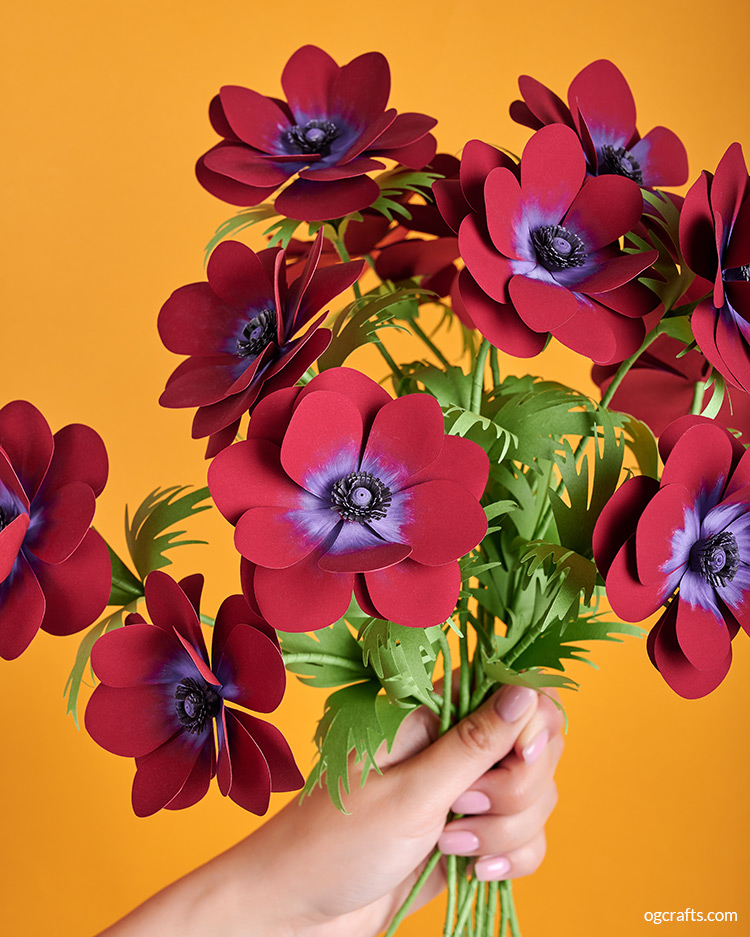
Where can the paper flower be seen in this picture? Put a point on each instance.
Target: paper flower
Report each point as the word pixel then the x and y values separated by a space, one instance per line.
pixel 340 489
pixel 602 112
pixel 330 132
pixel 685 540
pixel 160 698
pixel 660 387
pixel 246 332
pixel 55 571
pixel 715 241
pixel 542 255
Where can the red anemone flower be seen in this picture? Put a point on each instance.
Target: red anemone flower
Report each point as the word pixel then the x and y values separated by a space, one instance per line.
pixel 55 571
pixel 540 244
pixel 160 698
pixel 660 388
pixel 715 241
pixel 330 132
pixel 602 112
pixel 685 541
pixel 247 332
pixel 340 489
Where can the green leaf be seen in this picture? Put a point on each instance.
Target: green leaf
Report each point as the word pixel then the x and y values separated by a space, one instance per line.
pixel 243 219
pixel 497 671
pixel 146 537
pixel 641 442
pixel 359 323
pixel 75 678
pixel 353 720
pixel 677 327
pixel 556 643
pixel 281 232
pixel 717 397
pixel 328 657
pixel 449 386
pixel 494 439
pixel 125 586
pixel 403 658
pixel 575 521
pixel 394 183
pixel 573 576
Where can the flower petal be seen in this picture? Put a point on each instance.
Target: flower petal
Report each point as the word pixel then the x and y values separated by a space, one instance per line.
pixel 132 721
pixel 61 522
pixel 700 460
pixel 199 779
pixel 406 436
pixel 249 474
pixel 446 522
pixel 604 98
pixel 379 556
pixel 138 654
pixel 664 515
pixel 499 322
pixel 415 595
pixel 163 773
pixel 627 595
pixel 367 395
pixel 619 517
pixel 606 208
pixel 22 605
pixel 11 538
pixel 542 305
pixel 256 119
pixel 461 461
pixel 302 597
pixel 552 152
pixel 251 669
pixel 80 456
pixel 170 609
pixel 307 81
pixel 305 200
pixel 280 537
pixel 491 270
pixel 703 639
pixel 285 775
pixel 27 440
pixel 672 664
pixel 250 775
pixel 662 158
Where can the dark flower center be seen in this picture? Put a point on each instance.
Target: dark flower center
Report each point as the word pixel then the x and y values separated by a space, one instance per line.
pixel 617 161
pixel 4 521
pixel 258 332
pixel 315 136
pixel 737 273
pixel 196 704
pixel 716 559
pixel 360 496
pixel 557 248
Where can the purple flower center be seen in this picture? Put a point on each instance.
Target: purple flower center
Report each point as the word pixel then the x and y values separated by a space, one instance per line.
pixel 360 496
pixel 315 136
pixel 716 559
pixel 4 521
pixel 196 704
pixel 737 273
pixel 257 333
pixel 557 248
pixel 617 161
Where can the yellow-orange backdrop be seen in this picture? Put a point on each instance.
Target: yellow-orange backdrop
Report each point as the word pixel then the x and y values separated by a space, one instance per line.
pixel 105 112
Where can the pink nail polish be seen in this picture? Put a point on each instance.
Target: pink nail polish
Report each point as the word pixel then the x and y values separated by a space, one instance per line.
pixel 513 702
pixel 491 868
pixel 458 843
pixel 535 747
pixel 472 802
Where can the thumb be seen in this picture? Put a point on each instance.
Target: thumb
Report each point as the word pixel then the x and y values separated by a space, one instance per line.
pixel 448 767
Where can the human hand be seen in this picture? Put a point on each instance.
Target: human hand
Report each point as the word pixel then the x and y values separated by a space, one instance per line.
pixel 348 874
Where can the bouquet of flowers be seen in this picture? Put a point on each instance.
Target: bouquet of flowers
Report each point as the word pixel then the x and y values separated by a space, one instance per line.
pixel 424 542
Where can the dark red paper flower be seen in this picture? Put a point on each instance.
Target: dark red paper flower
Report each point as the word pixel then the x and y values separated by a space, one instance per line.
pixel 246 332
pixel 55 571
pixel 685 541
pixel 340 488
pixel 715 241
pixel 601 110
pixel 330 132
pixel 542 254
pixel 160 697
pixel 660 387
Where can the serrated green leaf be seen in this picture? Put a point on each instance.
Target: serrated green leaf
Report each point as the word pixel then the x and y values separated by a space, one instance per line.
pixel 642 443
pixel 75 678
pixel 353 720
pixel 125 586
pixel 575 521
pixel 498 672
pixel 573 577
pixel 556 643
pixel 403 658
pixel 243 219
pixel 328 657
pixel 449 386
pixel 498 508
pixel 677 327
pixel 281 232
pixel 161 509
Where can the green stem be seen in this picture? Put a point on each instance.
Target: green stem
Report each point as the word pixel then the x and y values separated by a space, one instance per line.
pixel 451 873
pixel 626 366
pixel 464 680
pixel 698 395
pixel 338 243
pixel 503 909
pixel 418 330
pixel 207 620
pixel 515 930
pixel 445 716
pixel 313 657
pixel 477 384
pixel 493 892
pixel 465 910
pixel 387 358
pixel 481 910
pixel 417 887
pixel 495 367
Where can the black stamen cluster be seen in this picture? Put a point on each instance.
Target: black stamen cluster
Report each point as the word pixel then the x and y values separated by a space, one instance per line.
pixel 196 704
pixel 315 136
pixel 617 161
pixel 352 505
pixel 557 248
pixel 716 559
pixel 258 332
pixel 3 521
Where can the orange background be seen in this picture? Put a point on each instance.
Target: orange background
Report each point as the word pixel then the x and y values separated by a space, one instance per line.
pixel 105 113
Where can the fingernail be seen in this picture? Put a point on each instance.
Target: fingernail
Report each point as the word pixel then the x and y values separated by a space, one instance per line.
pixel 472 802
pixel 513 702
pixel 457 843
pixel 535 747
pixel 491 868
